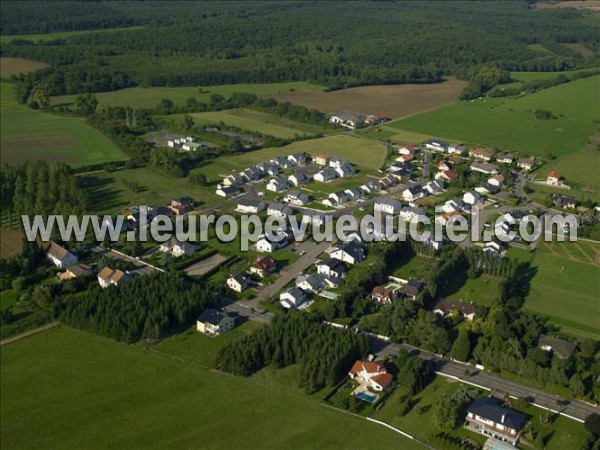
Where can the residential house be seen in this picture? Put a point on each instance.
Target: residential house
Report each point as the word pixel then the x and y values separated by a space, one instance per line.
pixel 311 283
pixel 413 193
pixel 553 178
pixel 272 169
pixel 345 169
pixel 313 218
pixel 298 179
pixel 76 271
pixel 353 194
pixel 400 173
pixel 338 197
pixel 177 248
pixel 293 298
pixel 347 119
pixel 526 163
pixel 446 217
pixel 370 188
pixel 383 295
pixel 412 288
pixel 487 189
pixel 438 146
pixel 561 348
pixel 488 417
pixel 249 205
pixel 213 322
pixel 263 266
pixel 408 213
pixel 435 187
pixel 297 158
pixel 456 149
pixel 453 206
pixel 331 268
pixel 495 247
pixel 297 198
pixel 60 256
pixel 277 184
pixel 233 180
pixel 446 307
pixel 326 175
pixel 279 210
pixel 405 150
pixel 349 252
pixel 226 191
pixel 238 281
pixel 481 153
pixel 322 160
pixel 472 198
pixel 447 175
pixel 444 164
pixel 496 180
pixel 269 245
pixel 488 169
pixel 387 205
pixel 371 375
pixel 405 158
pixel 112 277
pixel 561 201
pixel 505 159
pixel 181 205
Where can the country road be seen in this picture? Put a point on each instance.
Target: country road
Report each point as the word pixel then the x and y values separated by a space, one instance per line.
pixel 37 330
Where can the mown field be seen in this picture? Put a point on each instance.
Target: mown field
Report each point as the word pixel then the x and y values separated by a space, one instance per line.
pixel 110 192
pixel 69 389
pixel 481 290
pixel 390 100
pixel 5 38
pixel 565 286
pixel 139 97
pixel 15 66
pixel 29 135
pixel 368 155
pixel 254 121
pixel 510 123
pixel 11 242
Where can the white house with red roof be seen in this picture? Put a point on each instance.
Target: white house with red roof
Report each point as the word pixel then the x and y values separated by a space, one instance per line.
pixel 371 375
pixel 553 178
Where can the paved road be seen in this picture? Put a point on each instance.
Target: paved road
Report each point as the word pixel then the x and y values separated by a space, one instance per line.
pixel 18 337
pixel 573 408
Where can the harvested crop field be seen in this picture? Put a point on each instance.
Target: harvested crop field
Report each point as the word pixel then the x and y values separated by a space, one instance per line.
pixel 204 266
pixel 11 242
pixel 391 100
pixel 15 66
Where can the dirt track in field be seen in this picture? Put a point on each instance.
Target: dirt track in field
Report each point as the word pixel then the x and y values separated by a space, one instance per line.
pixel 390 100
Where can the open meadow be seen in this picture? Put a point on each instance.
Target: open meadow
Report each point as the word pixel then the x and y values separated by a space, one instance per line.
pixel 6 38
pixel 254 121
pixel 139 97
pixel 29 135
pixel 65 388
pixel 15 66
pixel 390 100
pixel 565 286
pixel 510 123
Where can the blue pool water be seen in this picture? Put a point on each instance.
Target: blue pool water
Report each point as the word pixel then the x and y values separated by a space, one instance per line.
pixel 367 397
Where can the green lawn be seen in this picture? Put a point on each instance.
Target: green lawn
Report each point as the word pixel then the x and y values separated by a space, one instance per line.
pixel 69 389
pixel 139 97
pixel 509 123
pixel 254 121
pixel 566 291
pixel 482 290
pixel 580 171
pixel 29 135
pixel 109 191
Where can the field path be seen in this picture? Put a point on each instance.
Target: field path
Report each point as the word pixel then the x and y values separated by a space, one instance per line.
pixel 18 337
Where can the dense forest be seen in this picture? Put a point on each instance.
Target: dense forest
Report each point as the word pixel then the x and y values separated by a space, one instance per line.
pixel 205 43
pixel 147 307
pixel 323 353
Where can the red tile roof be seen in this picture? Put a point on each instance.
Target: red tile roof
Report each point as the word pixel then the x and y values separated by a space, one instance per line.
pixel 383 380
pixel 369 366
pixel 554 174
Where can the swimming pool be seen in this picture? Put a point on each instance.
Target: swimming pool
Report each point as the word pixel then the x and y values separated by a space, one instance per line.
pixel 367 396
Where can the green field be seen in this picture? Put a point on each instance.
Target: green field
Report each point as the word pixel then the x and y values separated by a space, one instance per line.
pixel 368 155
pixel 565 287
pixel 510 124
pixel 29 135
pixel 109 191
pixel 6 38
pixel 481 290
pixel 254 121
pixel 69 389
pixel 138 97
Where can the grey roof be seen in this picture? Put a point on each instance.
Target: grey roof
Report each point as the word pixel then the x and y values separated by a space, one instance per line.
pixel 415 190
pixel 490 409
pixel 352 248
pixel 249 202
pixel 388 201
pixel 240 277
pixel 332 263
pixel 559 346
pixel 285 209
pixel 447 305
pixel 329 173
pixel 296 292
pixel 212 316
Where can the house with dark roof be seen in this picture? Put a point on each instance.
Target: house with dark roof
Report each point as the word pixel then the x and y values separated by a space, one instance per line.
pixel 562 201
pixel 347 119
pixel 238 281
pixel 412 288
pixel 226 191
pixel 213 322
pixel 488 417
pixel 60 256
pixel 326 175
pixel 559 347
pixel 446 307
pixel 279 210
pixel 349 252
pixel 332 268
pixel 176 247
pixel 75 271
pixel 293 298
pixel 383 295
pixel 297 198
pixel 387 205
pixel 249 205
pixel 181 205
pixel 298 179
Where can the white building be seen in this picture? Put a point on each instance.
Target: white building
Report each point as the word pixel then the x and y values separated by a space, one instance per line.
pixel 60 256
pixel 213 322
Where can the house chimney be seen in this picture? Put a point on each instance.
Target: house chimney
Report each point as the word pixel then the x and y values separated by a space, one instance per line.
pixel 503 418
